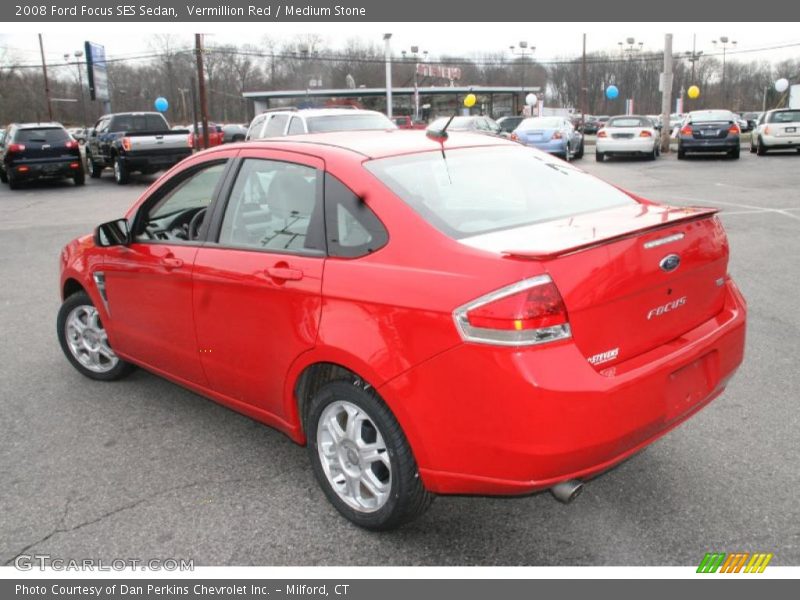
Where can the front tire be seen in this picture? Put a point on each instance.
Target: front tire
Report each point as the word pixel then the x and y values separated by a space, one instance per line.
pixel 85 342
pixel 95 170
pixel 361 458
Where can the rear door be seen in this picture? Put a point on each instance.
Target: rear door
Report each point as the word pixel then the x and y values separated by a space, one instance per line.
pixel 258 285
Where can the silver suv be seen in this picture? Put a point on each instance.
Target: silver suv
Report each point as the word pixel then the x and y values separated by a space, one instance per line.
pixel 280 122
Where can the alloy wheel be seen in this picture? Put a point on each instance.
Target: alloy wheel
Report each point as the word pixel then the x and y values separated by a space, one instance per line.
pixel 87 339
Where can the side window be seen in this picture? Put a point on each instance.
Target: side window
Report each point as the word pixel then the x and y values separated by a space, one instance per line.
pixel 274 206
pixel 296 126
pixel 176 215
pixel 353 229
pixel 481 125
pixel 276 126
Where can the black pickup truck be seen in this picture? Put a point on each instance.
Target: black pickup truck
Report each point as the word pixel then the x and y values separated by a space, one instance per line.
pixel 134 141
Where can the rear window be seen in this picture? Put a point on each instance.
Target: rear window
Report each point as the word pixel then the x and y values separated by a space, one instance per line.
pixel 629 122
pixel 134 123
pixel 785 116
pixel 478 190
pixel 348 123
pixel 711 115
pixel 540 123
pixel 50 135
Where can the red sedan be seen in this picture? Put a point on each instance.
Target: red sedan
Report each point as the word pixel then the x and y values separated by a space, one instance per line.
pixel 469 316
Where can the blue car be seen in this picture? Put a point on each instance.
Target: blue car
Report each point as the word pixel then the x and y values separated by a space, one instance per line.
pixel 555 135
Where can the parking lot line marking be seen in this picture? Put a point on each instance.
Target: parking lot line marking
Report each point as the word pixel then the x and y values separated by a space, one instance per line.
pixel 783 211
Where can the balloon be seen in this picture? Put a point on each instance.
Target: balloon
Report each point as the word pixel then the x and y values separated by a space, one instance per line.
pixel 161 104
pixel 470 100
pixel 530 99
pixel 693 92
pixel 781 85
pixel 612 92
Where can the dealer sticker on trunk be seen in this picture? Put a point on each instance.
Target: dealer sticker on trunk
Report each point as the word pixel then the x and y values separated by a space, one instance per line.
pixel 603 357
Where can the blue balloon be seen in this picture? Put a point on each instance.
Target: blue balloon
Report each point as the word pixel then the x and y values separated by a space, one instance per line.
pixel 161 104
pixel 612 92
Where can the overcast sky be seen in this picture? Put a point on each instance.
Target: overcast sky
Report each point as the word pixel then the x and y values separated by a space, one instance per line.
pixel 463 39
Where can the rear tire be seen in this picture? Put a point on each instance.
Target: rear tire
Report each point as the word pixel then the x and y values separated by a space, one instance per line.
pixel 579 153
pixel 599 156
pixel 13 182
pixel 3 176
pixel 376 489
pixel 121 175
pixel 681 154
pixel 84 341
pixel 80 178
pixel 760 150
pixel 735 154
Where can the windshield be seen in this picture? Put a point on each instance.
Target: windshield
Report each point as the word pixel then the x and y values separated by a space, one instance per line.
pixel 540 123
pixel 478 190
pixel 348 123
pixel 711 115
pixel 51 135
pixel 629 122
pixel 785 116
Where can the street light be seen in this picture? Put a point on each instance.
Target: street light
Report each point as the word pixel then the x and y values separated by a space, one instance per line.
pixel 724 41
pixel 522 50
pixel 632 46
pixel 414 51
pixel 78 54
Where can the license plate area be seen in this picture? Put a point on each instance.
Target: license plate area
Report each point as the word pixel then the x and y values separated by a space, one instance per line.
pixel 689 385
pixel 791 130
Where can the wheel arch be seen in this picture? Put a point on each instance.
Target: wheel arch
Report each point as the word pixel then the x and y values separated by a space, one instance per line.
pixel 71 286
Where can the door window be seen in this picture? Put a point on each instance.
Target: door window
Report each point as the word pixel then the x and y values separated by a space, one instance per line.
pixel 274 206
pixel 176 215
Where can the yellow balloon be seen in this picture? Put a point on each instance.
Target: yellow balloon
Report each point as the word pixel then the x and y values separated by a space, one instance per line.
pixel 693 92
pixel 470 100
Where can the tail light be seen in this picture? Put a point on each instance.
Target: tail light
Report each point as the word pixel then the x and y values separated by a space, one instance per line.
pixel 602 133
pixel 74 165
pixel 557 135
pixel 71 145
pixel 190 140
pixel 23 169
pixel 126 144
pixel 514 136
pixel 16 148
pixel 734 129
pixel 686 130
pixel 523 314
pixel 766 130
pixel 645 133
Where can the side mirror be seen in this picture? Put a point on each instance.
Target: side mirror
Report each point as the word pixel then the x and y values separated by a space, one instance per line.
pixel 112 233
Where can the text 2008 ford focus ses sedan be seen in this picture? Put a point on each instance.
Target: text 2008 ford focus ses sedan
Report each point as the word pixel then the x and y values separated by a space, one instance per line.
pixel 451 316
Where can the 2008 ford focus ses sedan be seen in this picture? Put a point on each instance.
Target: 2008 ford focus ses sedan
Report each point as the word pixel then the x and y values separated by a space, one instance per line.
pixel 430 316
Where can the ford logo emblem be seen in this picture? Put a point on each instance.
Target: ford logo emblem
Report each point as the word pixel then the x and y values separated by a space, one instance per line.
pixel 670 262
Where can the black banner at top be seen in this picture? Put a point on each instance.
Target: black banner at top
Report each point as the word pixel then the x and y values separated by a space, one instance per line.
pixel 394 11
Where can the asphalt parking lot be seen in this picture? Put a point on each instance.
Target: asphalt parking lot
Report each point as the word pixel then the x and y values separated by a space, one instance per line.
pixel 144 469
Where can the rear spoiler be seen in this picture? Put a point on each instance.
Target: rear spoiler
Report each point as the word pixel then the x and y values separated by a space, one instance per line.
pixel 531 254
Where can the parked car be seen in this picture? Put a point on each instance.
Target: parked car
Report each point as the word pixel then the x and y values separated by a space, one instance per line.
pixel 31 151
pixel 705 131
pixel 592 124
pixel 744 127
pixel 79 134
pixel 233 132
pixel 281 122
pixel 473 123
pixel 630 135
pixel 485 320
pixel 509 123
pixel 555 135
pixel 777 130
pixel 134 141
pixel 406 122
pixel 215 135
pixel 752 119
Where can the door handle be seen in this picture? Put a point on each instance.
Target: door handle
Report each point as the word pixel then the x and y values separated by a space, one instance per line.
pixel 285 273
pixel 170 262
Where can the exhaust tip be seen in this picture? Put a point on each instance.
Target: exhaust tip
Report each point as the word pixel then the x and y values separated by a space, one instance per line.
pixel 567 491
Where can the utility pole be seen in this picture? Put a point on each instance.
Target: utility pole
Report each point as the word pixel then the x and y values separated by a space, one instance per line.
pixel 46 83
pixel 201 87
pixel 387 38
pixel 196 142
pixel 666 94
pixel 583 82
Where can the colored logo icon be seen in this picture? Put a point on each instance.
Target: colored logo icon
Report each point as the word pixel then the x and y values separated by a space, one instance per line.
pixel 736 562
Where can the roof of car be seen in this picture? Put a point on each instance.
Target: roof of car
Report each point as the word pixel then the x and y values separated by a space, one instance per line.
pixel 39 125
pixel 381 143
pixel 325 112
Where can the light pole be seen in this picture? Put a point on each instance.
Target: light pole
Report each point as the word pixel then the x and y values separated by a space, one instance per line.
pixel 522 50
pixel 415 55
pixel 78 54
pixel 724 41
pixel 387 37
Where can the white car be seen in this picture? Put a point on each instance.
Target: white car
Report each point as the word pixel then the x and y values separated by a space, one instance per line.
pixel 281 122
pixel 630 135
pixel 776 130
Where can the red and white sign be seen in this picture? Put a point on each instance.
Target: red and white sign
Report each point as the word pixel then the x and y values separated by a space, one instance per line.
pixel 451 73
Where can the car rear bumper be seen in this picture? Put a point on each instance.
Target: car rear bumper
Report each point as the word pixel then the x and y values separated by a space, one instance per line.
pixel 783 142
pixel 136 161
pixel 629 146
pixel 552 146
pixel 41 169
pixel 711 145
pixel 485 420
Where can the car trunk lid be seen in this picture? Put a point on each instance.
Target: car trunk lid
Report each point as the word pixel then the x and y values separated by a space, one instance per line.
pixel 624 296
